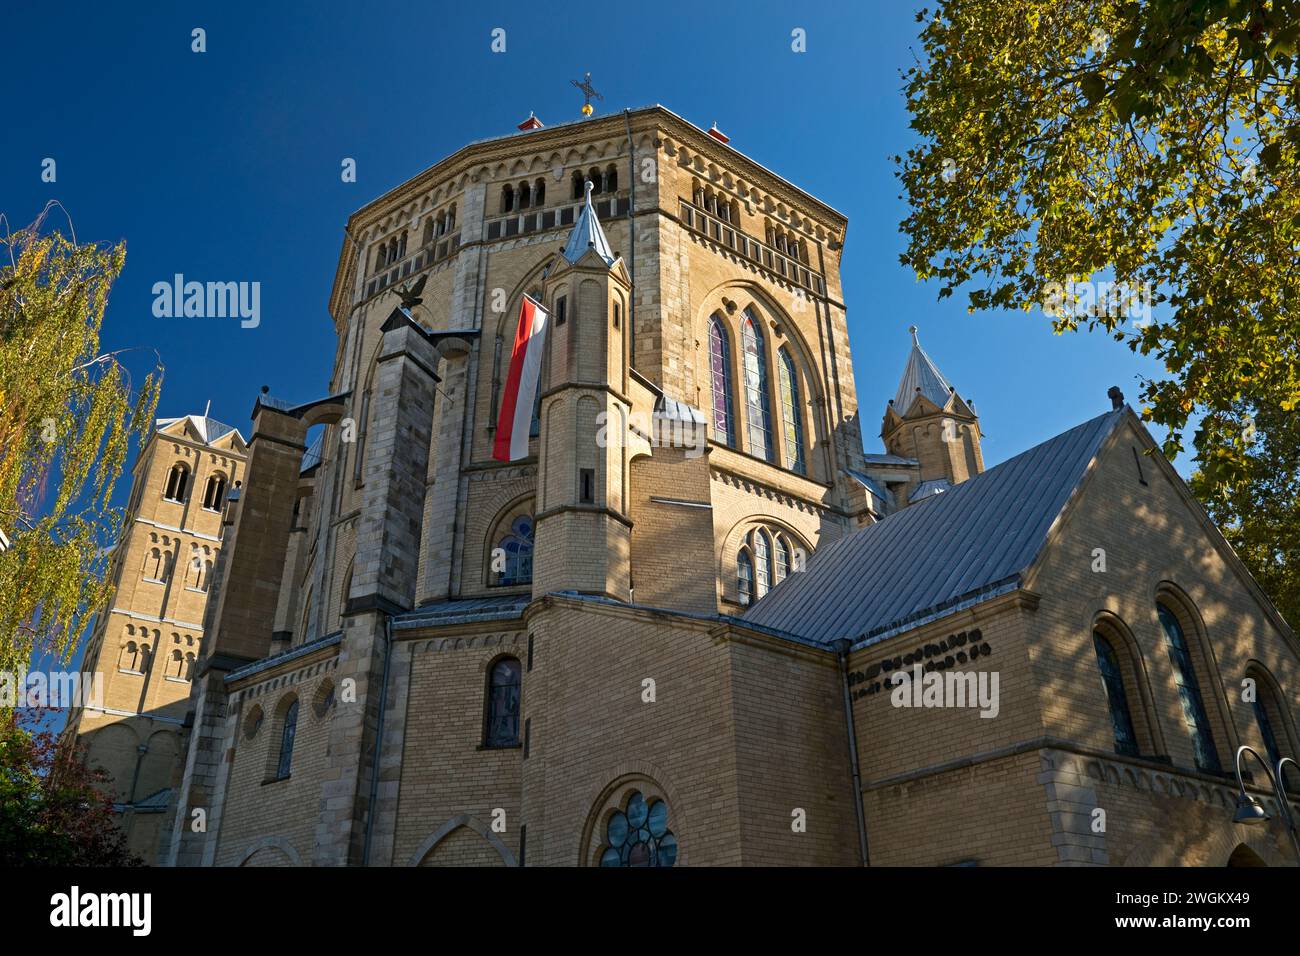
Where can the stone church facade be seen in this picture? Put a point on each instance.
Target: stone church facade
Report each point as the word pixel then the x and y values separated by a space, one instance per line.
pixel 667 636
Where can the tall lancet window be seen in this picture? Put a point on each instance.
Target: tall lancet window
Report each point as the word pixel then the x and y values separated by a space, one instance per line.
pixel 758 428
pixel 1112 680
pixel 762 564
pixel 744 577
pixel 720 376
pixel 790 417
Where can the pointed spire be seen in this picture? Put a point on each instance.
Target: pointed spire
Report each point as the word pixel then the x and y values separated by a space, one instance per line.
pixel 587 234
pixel 920 377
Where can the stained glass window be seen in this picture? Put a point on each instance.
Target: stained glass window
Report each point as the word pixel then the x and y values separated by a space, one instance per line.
pixel 286 740
pixel 503 704
pixel 762 564
pixel 720 377
pixel 744 577
pixel 518 546
pixel 1189 691
pixel 790 417
pixel 782 564
pixel 639 835
pixel 757 416
pixel 1112 679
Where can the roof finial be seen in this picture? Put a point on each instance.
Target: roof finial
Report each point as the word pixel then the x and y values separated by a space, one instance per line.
pixel 587 188
pixel 915 340
pixel 207 408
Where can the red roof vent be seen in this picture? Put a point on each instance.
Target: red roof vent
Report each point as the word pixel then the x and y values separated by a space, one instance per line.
pixel 718 134
pixel 531 123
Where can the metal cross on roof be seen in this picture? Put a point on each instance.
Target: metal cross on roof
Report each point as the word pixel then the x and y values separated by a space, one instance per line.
pixel 588 91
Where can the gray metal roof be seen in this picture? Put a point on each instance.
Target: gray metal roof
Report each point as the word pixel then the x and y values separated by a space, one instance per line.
pixel 928 489
pixel 920 377
pixel 878 459
pixel 209 429
pixel 462 611
pixel 588 234
pixel 954 549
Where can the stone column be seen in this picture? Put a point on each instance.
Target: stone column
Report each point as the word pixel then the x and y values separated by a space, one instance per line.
pixel 383 582
pixel 239 630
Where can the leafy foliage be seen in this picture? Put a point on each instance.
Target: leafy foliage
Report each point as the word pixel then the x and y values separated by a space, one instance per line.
pixel 1151 144
pixel 1260 517
pixel 67 416
pixel 53 808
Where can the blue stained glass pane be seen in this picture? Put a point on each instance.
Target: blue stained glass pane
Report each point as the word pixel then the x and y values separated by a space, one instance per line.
pixel 667 854
pixel 636 811
pixel 616 831
pixel 658 818
pixel 610 858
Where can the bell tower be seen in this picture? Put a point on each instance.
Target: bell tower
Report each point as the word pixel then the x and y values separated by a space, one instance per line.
pixel 929 422
pixel 583 531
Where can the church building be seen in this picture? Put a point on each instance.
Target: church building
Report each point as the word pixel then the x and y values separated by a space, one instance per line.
pixel 698 624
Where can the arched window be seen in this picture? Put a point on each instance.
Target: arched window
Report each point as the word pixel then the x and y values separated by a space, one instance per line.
pixel 189 667
pixel 1271 718
pixel 215 492
pixel 177 479
pixel 428 231
pixel 130 657
pixel 611 179
pixel 791 420
pixel 577 185
pixel 451 217
pixel 1189 691
pixel 507 198
pixel 744 577
pixel 539 192
pixel 758 428
pixel 153 565
pixel 518 547
pixel 287 734
pixel 638 835
pixel 781 564
pixel 720 377
pixel 1112 679
pixel 401 249
pixel 762 564
pixel 176 666
pixel 597 180
pixel 525 194
pixel 501 725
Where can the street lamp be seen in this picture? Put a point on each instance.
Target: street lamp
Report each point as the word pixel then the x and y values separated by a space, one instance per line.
pixel 1249 811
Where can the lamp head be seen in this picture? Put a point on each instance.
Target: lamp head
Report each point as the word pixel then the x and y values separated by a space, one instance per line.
pixel 1249 811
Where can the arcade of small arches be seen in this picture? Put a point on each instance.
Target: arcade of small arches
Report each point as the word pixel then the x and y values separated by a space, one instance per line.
pixel 139 646
pixel 178 484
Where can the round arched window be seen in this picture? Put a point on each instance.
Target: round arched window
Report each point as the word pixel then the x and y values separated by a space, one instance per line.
pixel 638 835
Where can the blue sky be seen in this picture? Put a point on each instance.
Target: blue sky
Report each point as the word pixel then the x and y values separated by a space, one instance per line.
pixel 225 166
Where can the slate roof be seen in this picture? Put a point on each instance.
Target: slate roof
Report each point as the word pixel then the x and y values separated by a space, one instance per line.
pixel 587 233
pixel 952 550
pixel 920 372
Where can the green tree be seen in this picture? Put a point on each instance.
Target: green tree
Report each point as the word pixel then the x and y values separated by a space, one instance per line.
pixel 1149 144
pixel 1260 516
pixel 67 417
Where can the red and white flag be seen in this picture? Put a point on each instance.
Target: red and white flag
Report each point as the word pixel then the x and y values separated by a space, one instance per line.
pixel 516 418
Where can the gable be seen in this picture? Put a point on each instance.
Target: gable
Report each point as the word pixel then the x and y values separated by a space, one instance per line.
pixel 1134 511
